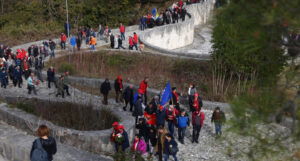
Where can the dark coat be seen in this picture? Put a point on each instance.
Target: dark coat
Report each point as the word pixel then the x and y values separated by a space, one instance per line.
pixel 51 75
pixel 160 117
pixel 128 94
pixel 125 144
pixel 167 146
pixel 48 144
pixel 143 129
pixel 138 109
pixel 105 87
pixel 17 74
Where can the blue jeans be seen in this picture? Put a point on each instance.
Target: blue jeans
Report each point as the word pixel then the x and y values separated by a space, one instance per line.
pixel 93 47
pixel 181 133
pixel 171 127
pixel 166 157
pixel 123 35
pixel 218 128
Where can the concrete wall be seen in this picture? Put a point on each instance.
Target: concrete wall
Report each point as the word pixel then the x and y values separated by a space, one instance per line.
pixel 92 141
pixel 181 34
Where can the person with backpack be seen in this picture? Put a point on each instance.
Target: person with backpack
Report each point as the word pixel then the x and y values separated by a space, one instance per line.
pixel 119 88
pixel 44 147
pixel 170 147
pixel 197 121
pixel 182 121
pixel 104 89
pixel 218 117
pixel 128 97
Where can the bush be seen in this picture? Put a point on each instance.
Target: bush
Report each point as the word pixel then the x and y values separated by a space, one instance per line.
pixel 66 67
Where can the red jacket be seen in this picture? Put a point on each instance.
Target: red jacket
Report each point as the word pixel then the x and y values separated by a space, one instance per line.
pixel 135 38
pixel 63 38
pixel 122 28
pixel 202 117
pixel 150 118
pixel 180 3
pixel 130 41
pixel 143 87
pixel 171 115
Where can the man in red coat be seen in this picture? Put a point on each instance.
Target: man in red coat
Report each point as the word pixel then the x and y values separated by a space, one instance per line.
pixel 63 40
pixel 122 31
pixel 130 43
pixel 197 121
pixel 135 40
pixel 143 89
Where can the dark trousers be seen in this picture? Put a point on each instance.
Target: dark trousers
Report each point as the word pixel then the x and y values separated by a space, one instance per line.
pixel 31 88
pixel 49 83
pixel 130 103
pixel 181 133
pixel 3 83
pixel 135 45
pixel 105 96
pixel 18 82
pixel 62 93
pixel 118 96
pixel 63 45
pixel 171 127
pixel 66 88
pixel 144 97
pixel 196 132
pixel 123 35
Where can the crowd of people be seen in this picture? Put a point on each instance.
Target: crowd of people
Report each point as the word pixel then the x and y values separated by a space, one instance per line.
pixel 156 122
pixel 28 65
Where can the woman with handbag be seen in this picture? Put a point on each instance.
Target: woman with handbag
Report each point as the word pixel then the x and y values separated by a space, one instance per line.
pixel 170 148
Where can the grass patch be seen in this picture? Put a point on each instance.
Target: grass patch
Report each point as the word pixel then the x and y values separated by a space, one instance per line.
pixel 134 67
pixel 70 115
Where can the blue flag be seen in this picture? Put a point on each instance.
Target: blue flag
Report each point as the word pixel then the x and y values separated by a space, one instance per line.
pixel 166 94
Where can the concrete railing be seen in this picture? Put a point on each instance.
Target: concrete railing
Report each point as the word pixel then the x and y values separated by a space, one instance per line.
pixel 168 37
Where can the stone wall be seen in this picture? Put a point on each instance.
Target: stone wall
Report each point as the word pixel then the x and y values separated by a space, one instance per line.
pixel 168 37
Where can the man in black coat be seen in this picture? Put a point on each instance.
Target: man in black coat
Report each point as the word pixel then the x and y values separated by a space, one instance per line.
pixel 128 97
pixel 51 77
pixel 138 109
pixel 17 77
pixel 104 89
pixel 112 41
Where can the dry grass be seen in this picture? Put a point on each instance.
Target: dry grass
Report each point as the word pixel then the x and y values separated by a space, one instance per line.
pixel 134 67
pixel 70 115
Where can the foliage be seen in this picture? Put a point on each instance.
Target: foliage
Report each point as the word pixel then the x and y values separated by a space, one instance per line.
pixel 247 38
pixel 128 156
pixel 64 67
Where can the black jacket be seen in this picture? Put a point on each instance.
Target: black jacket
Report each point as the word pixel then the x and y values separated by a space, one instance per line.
pixel 168 145
pixel 128 94
pixel 138 109
pixel 50 75
pixel 49 146
pixel 105 87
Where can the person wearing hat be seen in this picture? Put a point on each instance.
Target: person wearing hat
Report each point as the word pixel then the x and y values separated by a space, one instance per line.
pixel 115 131
pixel 160 116
pixel 121 139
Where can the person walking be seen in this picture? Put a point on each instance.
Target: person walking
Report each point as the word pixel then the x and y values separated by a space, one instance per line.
pixel 44 146
pixel 51 76
pixel 93 42
pixel 161 136
pixel 143 89
pixel 17 77
pixel 218 118
pixel 104 89
pixel 197 121
pixel 138 109
pixel 182 122
pixel 139 145
pixel 119 88
pixel 128 97
pixel 171 115
pixel 130 42
pixel 63 40
pixel 120 42
pixel 66 83
pixel 31 84
pixel 112 40
pixel 191 92
pixel 135 40
pixel 52 47
pixel 122 31
pixel 3 78
pixel 121 139
pixel 170 148
pixel 60 87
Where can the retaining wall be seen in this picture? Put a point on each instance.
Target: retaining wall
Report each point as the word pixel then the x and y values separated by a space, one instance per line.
pixel 168 37
pixel 92 141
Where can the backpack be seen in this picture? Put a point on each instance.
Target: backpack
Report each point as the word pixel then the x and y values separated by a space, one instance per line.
pixel 39 153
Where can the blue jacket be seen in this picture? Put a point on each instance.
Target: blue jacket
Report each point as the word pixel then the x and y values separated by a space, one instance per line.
pixel 3 76
pixel 183 121
pixel 125 144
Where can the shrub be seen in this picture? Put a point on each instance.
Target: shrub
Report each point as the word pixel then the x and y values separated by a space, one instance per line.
pixel 66 67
